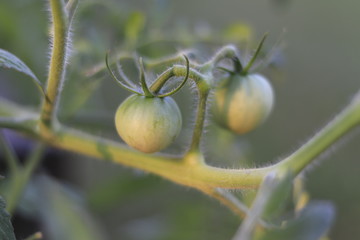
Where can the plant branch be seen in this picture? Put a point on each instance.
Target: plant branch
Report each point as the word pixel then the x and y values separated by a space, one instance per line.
pixel 199 121
pixel 57 64
pixel 199 176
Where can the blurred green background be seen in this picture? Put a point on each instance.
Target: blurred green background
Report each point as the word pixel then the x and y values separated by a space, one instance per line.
pixel 317 76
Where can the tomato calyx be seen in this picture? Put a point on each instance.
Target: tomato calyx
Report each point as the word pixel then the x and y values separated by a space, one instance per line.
pixel 239 68
pixel 145 90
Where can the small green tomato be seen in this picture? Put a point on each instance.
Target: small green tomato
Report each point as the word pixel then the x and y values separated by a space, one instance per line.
pixel 241 103
pixel 148 124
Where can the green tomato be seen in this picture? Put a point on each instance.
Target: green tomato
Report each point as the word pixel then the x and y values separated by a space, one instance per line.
pixel 148 124
pixel 241 103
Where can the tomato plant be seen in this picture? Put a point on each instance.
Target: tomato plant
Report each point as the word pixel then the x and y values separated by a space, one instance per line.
pixel 271 200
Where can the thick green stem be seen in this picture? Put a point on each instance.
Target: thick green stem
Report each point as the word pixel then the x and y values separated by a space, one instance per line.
pixel 178 169
pixel 57 65
pixel 339 126
pixel 198 176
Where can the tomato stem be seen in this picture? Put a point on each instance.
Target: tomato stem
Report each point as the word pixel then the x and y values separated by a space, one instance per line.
pixel 199 122
pixel 200 176
pixel 57 69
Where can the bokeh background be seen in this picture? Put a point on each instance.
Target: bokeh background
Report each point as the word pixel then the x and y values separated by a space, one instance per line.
pixel 315 76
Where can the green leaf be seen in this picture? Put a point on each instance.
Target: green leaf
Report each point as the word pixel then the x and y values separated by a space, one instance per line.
pixel 9 60
pixel 281 189
pixel 312 223
pixel 60 209
pixel 77 91
pixel 113 190
pixel 269 202
pixel 135 24
pixel 6 229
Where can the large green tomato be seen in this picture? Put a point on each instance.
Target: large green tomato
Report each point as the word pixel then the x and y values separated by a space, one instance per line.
pixel 148 124
pixel 241 103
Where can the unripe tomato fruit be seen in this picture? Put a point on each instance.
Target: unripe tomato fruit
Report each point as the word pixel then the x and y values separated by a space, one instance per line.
pixel 148 124
pixel 241 103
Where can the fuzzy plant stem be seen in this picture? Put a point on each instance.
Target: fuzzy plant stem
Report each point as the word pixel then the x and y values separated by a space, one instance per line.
pixel 56 74
pixel 201 176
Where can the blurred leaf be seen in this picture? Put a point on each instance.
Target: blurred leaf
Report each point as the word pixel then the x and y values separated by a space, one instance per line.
pixel 110 192
pixel 9 60
pixel 9 154
pixel 8 25
pixel 238 32
pixel 311 224
pixel 6 229
pixel 134 25
pixel 270 200
pixel 280 188
pixel 61 210
pixel 77 92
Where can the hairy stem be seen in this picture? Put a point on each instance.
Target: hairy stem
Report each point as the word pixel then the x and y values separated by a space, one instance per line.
pixel 199 122
pixel 199 176
pixel 57 65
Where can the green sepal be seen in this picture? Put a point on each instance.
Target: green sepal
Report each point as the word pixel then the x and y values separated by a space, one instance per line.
pixel 128 88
